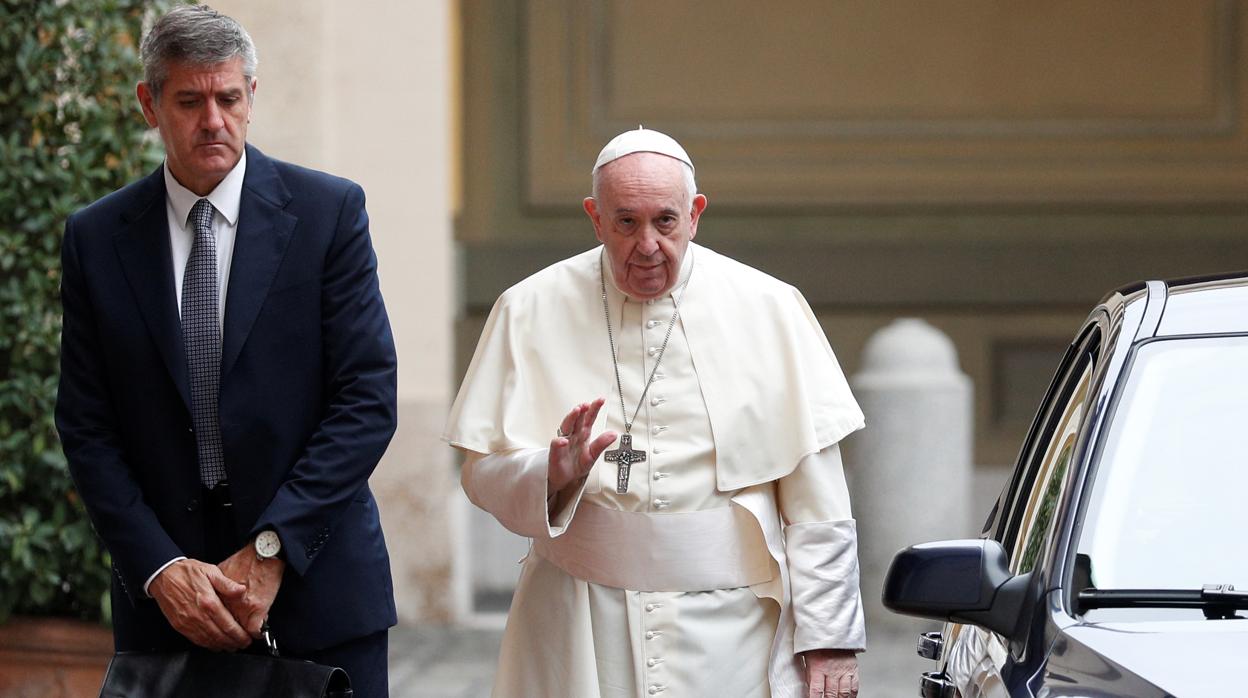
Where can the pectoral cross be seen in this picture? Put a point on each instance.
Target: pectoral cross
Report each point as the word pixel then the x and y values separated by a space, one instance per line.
pixel 625 456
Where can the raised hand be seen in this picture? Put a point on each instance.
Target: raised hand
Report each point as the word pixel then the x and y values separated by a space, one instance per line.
pixel 572 455
pixel 193 595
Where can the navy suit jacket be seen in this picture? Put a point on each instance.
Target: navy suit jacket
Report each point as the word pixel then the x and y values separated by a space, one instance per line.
pixel 307 399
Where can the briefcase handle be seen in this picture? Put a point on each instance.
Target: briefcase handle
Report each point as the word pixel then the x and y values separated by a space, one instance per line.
pixel 270 642
pixel 336 689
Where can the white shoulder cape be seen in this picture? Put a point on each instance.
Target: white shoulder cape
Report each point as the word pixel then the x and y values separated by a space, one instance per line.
pixel 772 386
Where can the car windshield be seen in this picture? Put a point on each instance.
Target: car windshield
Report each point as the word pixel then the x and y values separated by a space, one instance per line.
pixel 1169 506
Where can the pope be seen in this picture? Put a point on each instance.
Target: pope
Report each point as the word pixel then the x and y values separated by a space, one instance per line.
pixel 663 422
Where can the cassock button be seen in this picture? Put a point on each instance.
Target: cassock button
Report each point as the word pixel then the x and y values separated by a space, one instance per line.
pixel 192 505
pixel 651 634
pixel 661 503
pixel 658 429
pixel 657 400
pixel 659 476
pixel 652 351
pixel 651 324
pixel 655 689
pixel 652 662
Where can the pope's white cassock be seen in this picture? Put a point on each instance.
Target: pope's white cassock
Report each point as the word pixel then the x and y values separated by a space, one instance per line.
pixel 733 548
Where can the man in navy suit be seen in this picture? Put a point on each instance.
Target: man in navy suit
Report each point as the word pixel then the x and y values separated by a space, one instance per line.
pixel 228 379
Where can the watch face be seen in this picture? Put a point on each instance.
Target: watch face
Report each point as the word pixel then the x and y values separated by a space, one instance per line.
pixel 268 544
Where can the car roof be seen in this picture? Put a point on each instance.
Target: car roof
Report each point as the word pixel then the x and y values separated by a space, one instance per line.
pixel 1196 305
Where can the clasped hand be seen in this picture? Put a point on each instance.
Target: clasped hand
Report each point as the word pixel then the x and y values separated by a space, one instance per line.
pixel 574 453
pixel 220 607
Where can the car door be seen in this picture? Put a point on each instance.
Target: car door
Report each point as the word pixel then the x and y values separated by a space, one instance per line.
pixel 1026 512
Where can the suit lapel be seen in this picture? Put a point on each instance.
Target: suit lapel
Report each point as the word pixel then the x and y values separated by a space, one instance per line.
pixel 142 246
pixel 264 230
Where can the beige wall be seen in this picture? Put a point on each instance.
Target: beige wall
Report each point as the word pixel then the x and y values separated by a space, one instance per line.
pixel 907 102
pixel 993 167
pixel 364 90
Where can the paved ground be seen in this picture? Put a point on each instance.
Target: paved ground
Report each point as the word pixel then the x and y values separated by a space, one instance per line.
pixel 441 662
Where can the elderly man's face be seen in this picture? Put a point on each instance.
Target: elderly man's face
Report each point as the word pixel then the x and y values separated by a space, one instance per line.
pixel 645 219
pixel 202 115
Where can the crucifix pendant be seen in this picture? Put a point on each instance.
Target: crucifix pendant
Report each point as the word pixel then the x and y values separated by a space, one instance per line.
pixel 625 456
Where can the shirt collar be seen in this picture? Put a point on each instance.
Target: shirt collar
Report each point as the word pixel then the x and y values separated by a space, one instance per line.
pixel 225 197
pixel 686 267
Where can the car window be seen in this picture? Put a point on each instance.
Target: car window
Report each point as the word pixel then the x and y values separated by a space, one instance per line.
pixel 1166 508
pixel 1047 488
pixel 1041 473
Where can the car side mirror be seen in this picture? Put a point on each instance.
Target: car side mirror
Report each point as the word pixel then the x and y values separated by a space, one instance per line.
pixel 960 581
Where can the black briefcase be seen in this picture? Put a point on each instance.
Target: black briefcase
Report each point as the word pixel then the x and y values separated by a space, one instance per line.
pixel 204 674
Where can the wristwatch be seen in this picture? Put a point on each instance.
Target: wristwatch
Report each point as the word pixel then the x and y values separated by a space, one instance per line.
pixel 268 545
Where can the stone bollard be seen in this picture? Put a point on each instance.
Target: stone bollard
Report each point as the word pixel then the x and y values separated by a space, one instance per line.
pixel 909 471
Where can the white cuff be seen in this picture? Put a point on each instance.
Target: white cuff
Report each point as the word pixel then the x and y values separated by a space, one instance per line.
pixel 155 574
pixel 823 573
pixel 513 486
pixel 558 521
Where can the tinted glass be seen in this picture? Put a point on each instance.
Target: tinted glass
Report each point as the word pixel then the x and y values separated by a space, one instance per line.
pixel 1168 507
pixel 1032 497
pixel 1050 482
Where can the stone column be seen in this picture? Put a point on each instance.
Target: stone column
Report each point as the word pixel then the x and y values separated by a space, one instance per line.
pixel 909 471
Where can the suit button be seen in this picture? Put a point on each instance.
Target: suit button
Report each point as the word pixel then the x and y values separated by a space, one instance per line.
pixel 192 505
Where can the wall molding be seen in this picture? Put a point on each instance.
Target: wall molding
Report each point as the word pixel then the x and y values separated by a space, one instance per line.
pixel 1175 138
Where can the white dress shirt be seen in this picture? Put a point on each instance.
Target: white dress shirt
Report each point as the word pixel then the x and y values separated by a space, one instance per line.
pixel 225 200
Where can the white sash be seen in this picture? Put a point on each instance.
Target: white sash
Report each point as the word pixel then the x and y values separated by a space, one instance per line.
pixel 720 548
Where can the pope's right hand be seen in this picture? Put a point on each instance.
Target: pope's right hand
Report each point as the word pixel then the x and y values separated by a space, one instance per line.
pixel 190 593
pixel 572 456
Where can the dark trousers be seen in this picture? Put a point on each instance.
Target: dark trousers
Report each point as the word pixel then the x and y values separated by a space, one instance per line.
pixel 220 537
pixel 365 661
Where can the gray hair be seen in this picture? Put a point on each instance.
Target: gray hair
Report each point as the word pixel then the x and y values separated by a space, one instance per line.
pixel 195 34
pixel 691 185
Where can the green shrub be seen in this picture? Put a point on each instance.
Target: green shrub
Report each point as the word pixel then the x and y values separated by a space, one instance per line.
pixel 71 132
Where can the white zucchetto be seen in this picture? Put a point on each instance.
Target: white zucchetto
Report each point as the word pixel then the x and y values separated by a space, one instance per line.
pixel 641 140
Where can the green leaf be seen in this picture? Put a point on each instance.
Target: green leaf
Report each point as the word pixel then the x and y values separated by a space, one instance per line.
pixel 71 135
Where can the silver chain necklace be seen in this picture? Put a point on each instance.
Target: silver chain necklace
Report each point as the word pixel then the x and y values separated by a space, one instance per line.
pixel 626 455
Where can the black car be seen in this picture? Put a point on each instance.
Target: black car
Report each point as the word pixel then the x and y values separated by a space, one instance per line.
pixel 1115 561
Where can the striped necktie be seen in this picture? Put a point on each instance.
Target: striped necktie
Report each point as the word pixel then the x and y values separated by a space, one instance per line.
pixel 201 337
